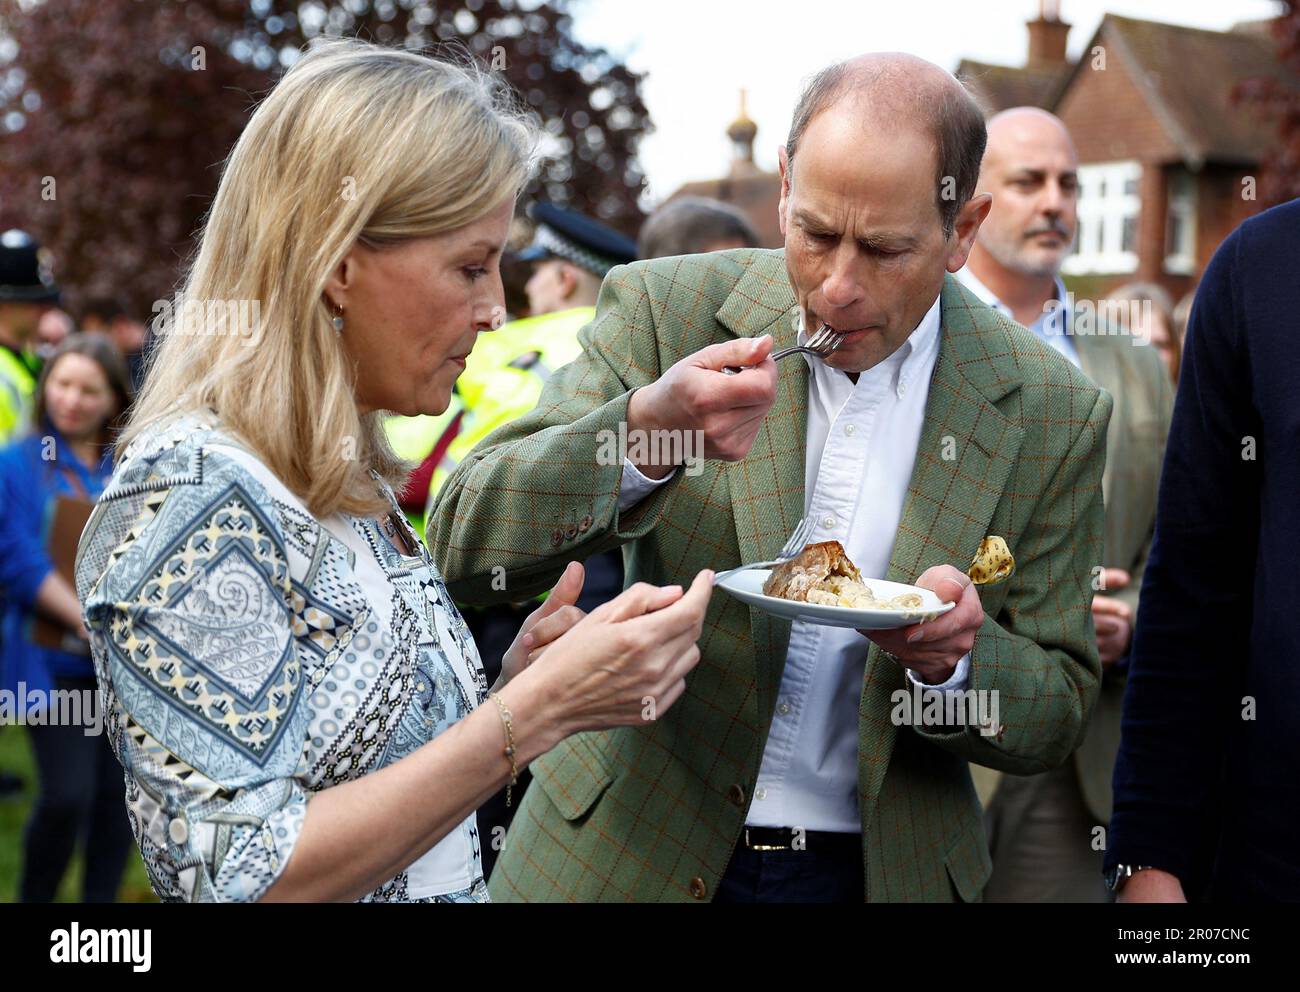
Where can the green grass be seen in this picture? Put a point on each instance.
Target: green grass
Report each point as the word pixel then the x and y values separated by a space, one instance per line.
pixel 16 758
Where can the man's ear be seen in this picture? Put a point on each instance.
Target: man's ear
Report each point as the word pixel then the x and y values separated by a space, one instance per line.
pixel 568 279
pixel 967 226
pixel 783 165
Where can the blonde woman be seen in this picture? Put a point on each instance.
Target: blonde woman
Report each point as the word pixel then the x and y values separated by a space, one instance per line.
pixel 299 708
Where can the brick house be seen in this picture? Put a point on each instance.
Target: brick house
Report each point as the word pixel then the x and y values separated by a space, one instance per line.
pixel 1167 161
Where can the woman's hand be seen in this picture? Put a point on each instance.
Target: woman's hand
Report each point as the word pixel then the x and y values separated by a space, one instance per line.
pixel 622 665
pixel 553 618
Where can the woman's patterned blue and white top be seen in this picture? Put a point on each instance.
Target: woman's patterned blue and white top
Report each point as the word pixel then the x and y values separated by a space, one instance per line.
pixel 249 655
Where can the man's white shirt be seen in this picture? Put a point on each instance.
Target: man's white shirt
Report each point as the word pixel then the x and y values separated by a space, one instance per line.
pixel 861 447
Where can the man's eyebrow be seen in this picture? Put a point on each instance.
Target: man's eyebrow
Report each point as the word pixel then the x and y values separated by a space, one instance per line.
pixel 805 219
pixel 876 239
pixel 889 240
pixel 1026 172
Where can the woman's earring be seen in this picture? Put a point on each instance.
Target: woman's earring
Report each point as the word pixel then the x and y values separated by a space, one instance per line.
pixel 338 318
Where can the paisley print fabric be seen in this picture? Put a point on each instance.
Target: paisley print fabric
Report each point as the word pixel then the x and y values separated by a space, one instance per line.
pixel 250 655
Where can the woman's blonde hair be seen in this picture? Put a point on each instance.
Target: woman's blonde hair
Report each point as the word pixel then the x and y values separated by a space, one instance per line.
pixel 356 141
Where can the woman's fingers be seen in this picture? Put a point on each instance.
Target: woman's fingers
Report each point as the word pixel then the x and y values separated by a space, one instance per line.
pixel 688 611
pixel 564 593
pixel 643 643
pixel 548 629
pixel 569 588
pixel 671 695
pixel 640 599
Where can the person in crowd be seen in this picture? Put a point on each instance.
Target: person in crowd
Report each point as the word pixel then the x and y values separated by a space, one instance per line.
pixel 1151 317
pixel 296 701
pixel 1046 831
pixel 27 292
pixel 55 325
pixel 786 772
pixel 111 316
pixel 82 392
pixel 1207 783
pixel 692 225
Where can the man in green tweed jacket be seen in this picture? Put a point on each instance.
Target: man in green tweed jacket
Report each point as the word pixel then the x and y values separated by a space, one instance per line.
pixel 984 431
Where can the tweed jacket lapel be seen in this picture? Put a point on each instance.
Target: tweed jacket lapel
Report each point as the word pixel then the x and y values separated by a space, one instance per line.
pixel 965 454
pixel 767 487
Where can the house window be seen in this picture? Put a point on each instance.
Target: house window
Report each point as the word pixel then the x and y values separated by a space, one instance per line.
pixel 1180 236
pixel 1109 206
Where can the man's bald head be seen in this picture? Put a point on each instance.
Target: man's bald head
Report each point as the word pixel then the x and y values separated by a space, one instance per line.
pixel 1031 169
pixel 1018 127
pixel 893 90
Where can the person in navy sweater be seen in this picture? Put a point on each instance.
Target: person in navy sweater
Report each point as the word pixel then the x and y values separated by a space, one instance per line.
pixel 1207 782
pixel 82 392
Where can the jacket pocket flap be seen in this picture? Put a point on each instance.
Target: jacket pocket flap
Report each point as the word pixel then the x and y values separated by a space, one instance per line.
pixel 573 775
pixel 969 865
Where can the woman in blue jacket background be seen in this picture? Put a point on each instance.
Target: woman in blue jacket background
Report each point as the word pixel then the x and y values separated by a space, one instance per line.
pixel 82 394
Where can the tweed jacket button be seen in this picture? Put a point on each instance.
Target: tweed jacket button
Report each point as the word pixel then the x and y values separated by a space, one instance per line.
pixel 571 533
pixel 557 537
pixel 698 889
pixel 736 795
pixel 585 523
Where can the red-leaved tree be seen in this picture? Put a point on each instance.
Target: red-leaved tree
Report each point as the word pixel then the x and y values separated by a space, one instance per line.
pixel 116 116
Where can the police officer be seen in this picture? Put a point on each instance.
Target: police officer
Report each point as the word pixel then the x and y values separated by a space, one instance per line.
pixel 27 290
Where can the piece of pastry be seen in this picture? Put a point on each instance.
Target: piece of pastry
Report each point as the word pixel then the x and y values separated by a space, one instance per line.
pixel 813 567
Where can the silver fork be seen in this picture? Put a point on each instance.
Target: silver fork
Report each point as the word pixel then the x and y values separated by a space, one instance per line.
pixel 789 550
pixel 820 344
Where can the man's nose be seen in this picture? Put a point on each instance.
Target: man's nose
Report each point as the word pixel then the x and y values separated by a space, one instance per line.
pixel 1053 201
pixel 842 288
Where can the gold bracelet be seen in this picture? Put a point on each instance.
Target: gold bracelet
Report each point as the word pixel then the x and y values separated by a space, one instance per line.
pixel 506 719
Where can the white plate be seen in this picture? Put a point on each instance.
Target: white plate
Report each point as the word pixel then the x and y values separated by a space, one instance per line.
pixel 748 588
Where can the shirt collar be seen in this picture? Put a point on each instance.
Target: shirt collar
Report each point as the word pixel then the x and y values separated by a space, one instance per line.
pixel 968 279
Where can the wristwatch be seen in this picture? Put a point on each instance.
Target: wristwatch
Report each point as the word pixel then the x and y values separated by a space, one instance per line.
pixel 1117 877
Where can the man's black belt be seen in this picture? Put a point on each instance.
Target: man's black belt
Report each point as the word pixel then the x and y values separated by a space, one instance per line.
pixel 797 839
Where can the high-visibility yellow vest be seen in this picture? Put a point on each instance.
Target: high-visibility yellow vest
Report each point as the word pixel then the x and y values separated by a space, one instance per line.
pixel 17 394
pixel 414 438
pixel 504 376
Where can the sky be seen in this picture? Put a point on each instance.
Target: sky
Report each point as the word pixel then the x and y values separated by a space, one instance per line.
pixel 699 53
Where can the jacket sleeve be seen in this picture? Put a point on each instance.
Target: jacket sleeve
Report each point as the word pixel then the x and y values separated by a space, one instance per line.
pixel 1180 705
pixel 543 490
pixel 24 562
pixel 187 595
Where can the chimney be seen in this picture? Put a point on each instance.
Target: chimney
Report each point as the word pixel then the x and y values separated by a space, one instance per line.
pixel 1047 35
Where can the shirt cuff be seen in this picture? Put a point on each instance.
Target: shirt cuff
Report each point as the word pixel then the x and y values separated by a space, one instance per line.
pixel 956 681
pixel 634 486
